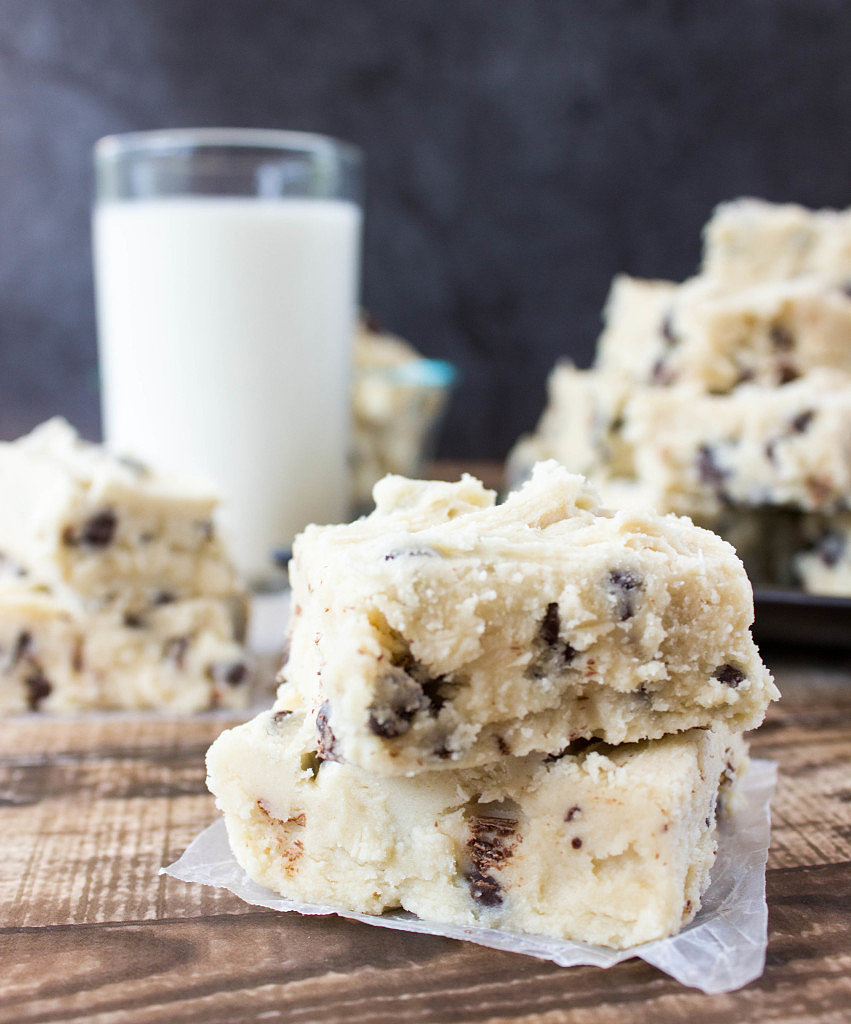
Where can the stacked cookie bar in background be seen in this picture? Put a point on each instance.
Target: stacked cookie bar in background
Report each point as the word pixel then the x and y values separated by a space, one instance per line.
pixel 522 716
pixel 727 397
pixel 115 588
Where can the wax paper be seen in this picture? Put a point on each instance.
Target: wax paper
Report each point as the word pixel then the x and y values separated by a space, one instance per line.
pixel 721 950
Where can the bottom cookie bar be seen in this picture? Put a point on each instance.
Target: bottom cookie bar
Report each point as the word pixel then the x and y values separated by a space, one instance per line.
pixel 823 563
pixel 177 657
pixel 601 844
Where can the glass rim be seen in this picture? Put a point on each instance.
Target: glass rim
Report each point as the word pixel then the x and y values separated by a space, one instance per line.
pixel 169 140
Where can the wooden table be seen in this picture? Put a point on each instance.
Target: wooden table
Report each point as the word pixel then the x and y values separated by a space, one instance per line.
pixel 90 809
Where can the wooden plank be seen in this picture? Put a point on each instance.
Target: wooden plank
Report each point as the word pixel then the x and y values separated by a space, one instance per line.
pixel 91 808
pixel 97 813
pixel 312 969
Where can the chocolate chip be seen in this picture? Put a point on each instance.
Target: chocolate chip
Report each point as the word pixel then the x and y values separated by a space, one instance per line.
pixel 667 329
pixel 786 373
pixel 550 625
pixel 491 843
pixel 576 746
pixel 502 746
pixel 481 824
pixel 576 842
pixel 99 530
pixel 831 547
pixel 390 719
pixel 729 675
pixel 205 528
pixel 797 425
pixel 175 650
pixel 800 423
pixel 77 659
pixel 327 740
pixel 708 469
pixel 229 673
pixel 484 889
pixel 781 338
pixel 404 689
pixel 96 532
pixel 552 654
pixel 133 620
pixel 728 775
pixel 661 374
pixel 164 597
pixel 23 645
pixel 622 584
pixel 38 688
pixel 574 812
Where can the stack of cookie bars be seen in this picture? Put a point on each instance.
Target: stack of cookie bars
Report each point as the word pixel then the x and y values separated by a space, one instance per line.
pixel 727 397
pixel 524 716
pixel 115 588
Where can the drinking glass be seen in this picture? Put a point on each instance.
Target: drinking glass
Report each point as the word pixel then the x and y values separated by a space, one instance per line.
pixel 226 281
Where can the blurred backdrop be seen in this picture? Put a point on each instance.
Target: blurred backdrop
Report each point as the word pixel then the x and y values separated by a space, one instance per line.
pixel 519 154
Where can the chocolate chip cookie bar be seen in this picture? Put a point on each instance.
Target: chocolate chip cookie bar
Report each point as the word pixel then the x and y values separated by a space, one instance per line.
pixel 752 241
pixel 446 631
pixel 581 427
pixel 822 565
pixel 637 328
pixel 105 529
pixel 54 656
pixel 600 844
pixel 717 339
pixel 787 446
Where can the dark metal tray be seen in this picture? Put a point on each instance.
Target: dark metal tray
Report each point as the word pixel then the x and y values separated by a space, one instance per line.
pixel 792 617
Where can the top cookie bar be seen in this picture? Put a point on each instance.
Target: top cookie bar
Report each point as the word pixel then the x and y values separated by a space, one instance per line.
pixel 718 338
pixel 108 530
pixel 749 241
pixel 446 631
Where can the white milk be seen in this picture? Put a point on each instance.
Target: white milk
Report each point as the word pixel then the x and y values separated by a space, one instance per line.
pixel 225 329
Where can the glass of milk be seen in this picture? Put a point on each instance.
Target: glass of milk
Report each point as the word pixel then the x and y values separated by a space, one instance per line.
pixel 226 282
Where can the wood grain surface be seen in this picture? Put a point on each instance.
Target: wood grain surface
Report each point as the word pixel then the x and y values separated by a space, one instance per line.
pixel 91 808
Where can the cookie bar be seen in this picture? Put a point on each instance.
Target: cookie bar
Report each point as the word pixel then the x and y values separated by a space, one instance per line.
pixel 717 339
pixel 752 241
pixel 446 631
pixel 823 563
pixel 581 428
pixel 181 656
pixel 106 529
pixel 636 327
pixel 787 446
pixel 608 845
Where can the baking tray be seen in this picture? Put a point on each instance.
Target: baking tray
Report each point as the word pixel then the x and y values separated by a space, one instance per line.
pixel 793 617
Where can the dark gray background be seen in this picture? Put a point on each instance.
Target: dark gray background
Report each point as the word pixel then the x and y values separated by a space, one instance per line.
pixel 520 152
